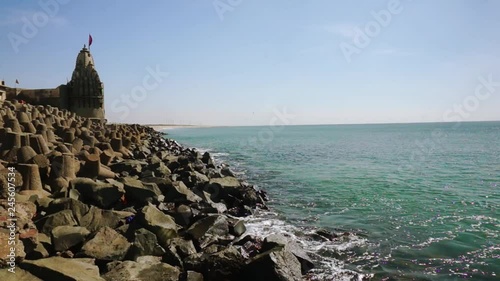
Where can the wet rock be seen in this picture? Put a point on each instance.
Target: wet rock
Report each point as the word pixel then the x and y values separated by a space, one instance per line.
pixel 207 159
pixel 107 245
pixel 275 264
pixel 62 269
pixel 237 227
pixel 276 239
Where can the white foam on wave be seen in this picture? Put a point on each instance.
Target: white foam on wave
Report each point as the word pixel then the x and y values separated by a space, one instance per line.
pixel 265 223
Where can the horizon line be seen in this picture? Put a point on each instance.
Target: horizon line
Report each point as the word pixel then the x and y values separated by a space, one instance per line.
pixel 321 124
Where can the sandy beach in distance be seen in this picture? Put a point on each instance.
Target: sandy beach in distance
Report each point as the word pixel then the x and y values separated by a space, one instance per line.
pixel 163 127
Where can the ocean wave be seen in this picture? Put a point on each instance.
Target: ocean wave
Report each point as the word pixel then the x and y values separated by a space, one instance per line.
pixel 322 252
pixel 265 223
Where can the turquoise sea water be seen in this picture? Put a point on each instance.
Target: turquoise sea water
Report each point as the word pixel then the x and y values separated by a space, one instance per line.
pixel 421 201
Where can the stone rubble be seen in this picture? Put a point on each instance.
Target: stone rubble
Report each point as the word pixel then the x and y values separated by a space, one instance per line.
pixel 98 201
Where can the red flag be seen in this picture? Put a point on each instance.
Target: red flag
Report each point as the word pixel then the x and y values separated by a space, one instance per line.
pixel 17 81
pixel 90 40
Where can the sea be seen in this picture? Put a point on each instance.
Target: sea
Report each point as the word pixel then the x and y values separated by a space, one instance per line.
pixel 405 201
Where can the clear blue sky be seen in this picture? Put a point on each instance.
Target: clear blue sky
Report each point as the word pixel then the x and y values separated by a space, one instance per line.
pixel 237 62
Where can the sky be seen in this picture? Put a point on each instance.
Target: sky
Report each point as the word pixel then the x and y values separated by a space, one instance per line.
pixel 257 62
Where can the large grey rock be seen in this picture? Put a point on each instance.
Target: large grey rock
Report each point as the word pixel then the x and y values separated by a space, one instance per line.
pixel 179 192
pixel 159 169
pixel 132 167
pixel 65 237
pixel 107 244
pixel 237 227
pixel 99 194
pixel 209 229
pixel 77 208
pixel 97 218
pixel 275 264
pixel 61 269
pixel 62 218
pixel 222 265
pixel 194 276
pixel 162 225
pixel 223 188
pixel 178 249
pixel 277 239
pixel 139 192
pixel 129 270
pixel 145 244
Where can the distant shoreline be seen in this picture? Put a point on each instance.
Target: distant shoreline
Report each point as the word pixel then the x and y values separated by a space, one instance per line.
pixel 161 127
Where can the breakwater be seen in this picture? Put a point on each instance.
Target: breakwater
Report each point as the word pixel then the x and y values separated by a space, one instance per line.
pixel 84 200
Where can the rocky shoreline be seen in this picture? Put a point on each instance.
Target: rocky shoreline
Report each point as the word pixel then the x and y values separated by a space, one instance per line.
pixel 97 201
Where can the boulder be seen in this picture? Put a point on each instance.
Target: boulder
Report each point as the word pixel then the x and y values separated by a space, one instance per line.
pixel 77 208
pixel 62 218
pixel 99 194
pixel 194 276
pixel 162 225
pixel 65 237
pixel 209 229
pixel 179 192
pixel 237 227
pixel 291 246
pixel 62 269
pixel 107 245
pixel 97 218
pixel 160 169
pixel 178 249
pixel 145 244
pixel 222 265
pixel 227 187
pixel 129 270
pixel 139 192
pixel 275 264
pixel 132 167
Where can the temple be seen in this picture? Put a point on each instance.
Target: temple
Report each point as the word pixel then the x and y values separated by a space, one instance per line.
pixel 83 95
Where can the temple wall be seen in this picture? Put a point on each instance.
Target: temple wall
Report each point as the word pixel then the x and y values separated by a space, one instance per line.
pixel 40 96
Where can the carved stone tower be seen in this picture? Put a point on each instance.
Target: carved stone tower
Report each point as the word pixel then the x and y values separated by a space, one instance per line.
pixel 85 94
